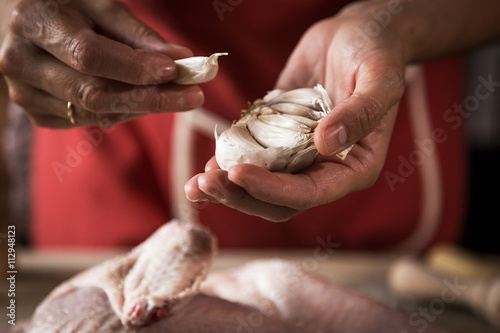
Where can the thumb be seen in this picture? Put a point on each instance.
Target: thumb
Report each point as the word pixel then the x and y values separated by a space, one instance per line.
pixel 358 115
pixel 115 20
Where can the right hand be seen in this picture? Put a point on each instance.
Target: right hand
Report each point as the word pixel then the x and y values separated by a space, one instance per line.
pixel 366 83
pixel 94 54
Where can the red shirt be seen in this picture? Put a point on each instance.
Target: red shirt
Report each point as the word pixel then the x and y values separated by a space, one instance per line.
pixel 115 186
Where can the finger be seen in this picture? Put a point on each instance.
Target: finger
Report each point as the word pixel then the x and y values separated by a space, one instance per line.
pixel 116 21
pixel 212 164
pixel 94 94
pixel 327 180
pixel 42 109
pixel 215 184
pixel 70 38
pixel 45 110
pixel 321 184
pixel 378 87
pixel 193 192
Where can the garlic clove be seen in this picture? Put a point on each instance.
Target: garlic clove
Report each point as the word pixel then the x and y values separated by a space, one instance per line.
pixel 310 123
pixel 298 110
pixel 309 97
pixel 273 136
pixel 196 70
pixel 282 121
pixel 301 160
pixel 272 94
pixel 325 101
pixel 235 146
pixel 238 138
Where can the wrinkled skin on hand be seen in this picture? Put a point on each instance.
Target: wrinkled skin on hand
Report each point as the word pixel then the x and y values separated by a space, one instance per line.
pixel 94 54
pixel 365 80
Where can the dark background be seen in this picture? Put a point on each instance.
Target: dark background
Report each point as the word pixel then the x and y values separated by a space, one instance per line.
pixel 483 221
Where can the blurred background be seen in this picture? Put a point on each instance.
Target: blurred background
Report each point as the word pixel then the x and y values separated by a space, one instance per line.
pixel 484 140
pixel 367 273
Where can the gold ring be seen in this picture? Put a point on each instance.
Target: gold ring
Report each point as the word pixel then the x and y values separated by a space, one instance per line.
pixel 70 109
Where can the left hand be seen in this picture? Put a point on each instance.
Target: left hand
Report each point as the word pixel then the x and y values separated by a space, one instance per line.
pixel 364 76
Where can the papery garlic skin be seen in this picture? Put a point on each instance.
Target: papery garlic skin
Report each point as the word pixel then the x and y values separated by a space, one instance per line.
pixel 276 132
pixel 196 70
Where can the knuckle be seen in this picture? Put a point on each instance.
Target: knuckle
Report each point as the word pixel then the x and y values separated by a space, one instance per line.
pixel 142 31
pixel 82 52
pixel 89 95
pixel 373 107
pixel 6 65
pixel 27 19
pixel 161 102
pixel 369 115
pixel 395 79
pixel 13 56
pixel 22 97
pixel 20 16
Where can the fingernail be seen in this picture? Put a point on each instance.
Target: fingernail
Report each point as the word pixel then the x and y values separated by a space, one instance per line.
pixel 193 199
pixel 191 99
pixel 334 138
pixel 167 73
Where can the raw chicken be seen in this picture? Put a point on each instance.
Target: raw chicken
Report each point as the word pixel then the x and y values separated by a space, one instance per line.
pixel 87 310
pixel 158 284
pixel 282 290
pixel 147 284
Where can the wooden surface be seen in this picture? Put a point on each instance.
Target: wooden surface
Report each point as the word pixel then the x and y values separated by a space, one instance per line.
pixel 41 272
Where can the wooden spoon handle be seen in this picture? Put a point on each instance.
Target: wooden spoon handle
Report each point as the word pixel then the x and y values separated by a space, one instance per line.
pixel 459 261
pixel 408 277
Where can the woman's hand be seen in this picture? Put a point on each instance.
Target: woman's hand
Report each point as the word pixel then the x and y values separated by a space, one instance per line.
pixel 364 76
pixel 94 54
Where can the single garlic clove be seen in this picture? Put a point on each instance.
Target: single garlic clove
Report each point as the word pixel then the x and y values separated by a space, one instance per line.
pixel 279 120
pixel 298 110
pixel 235 146
pixel 273 136
pixel 271 94
pixel 196 70
pixel 310 123
pixel 301 160
pixel 309 97
pixel 325 102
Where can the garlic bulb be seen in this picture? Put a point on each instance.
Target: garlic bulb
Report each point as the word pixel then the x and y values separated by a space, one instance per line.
pixel 196 70
pixel 276 132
